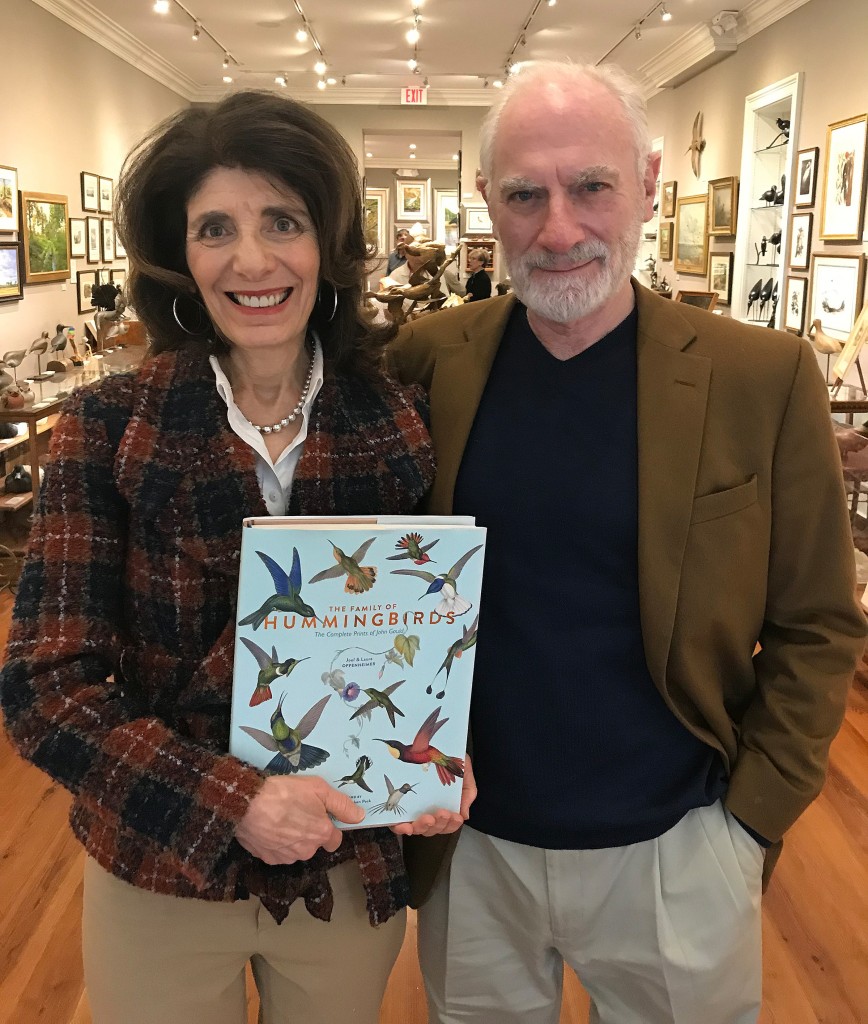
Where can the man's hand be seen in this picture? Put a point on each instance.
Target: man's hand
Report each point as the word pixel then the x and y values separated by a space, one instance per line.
pixel 442 822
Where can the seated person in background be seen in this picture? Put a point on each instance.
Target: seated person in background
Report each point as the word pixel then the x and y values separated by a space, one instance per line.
pixel 503 287
pixel 398 256
pixel 479 283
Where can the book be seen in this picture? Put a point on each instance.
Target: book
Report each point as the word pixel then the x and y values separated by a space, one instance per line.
pixel 354 648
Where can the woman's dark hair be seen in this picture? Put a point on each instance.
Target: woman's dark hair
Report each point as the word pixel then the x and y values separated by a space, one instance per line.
pixel 293 147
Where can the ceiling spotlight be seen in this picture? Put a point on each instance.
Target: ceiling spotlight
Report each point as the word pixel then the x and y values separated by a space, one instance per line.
pixel 412 156
pixel 454 156
pixel 413 36
pixel 280 80
pixel 344 80
pixel 225 60
pixel 301 35
pixel 425 83
pixel 369 156
pixel 664 14
pixel 552 2
pixel 196 34
pixel 485 83
pixel 320 67
pixel 412 145
pixel 321 84
pixel 412 63
pixel 638 32
pixel 161 6
pixel 497 83
pixel 331 81
pixel 227 79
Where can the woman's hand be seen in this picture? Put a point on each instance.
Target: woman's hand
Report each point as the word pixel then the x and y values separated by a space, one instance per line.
pixel 288 819
pixel 442 822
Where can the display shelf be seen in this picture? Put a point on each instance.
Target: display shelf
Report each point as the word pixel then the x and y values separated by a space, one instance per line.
pixel 12 502
pixel 42 427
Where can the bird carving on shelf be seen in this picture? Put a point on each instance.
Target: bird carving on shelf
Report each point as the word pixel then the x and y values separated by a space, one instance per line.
pixel 697 144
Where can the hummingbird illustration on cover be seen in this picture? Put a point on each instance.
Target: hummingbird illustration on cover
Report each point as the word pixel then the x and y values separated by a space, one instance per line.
pixel 445 584
pixel 287 596
pixel 269 669
pixel 292 755
pixel 358 776
pixel 421 752
pixel 393 800
pixel 411 546
pixel 456 649
pixel 380 699
pixel 359 577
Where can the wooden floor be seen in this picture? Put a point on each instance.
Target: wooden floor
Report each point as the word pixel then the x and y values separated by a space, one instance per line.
pixel 815 922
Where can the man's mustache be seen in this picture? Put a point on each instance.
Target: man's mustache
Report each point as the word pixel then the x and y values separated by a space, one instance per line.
pixel 580 252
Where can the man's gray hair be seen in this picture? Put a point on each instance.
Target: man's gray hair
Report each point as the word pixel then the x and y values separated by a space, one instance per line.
pixel 535 74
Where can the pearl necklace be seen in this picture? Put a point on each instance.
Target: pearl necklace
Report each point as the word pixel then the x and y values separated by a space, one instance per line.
pixel 293 416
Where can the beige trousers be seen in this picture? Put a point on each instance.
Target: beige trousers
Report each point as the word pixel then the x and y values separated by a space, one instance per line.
pixel 153 959
pixel 662 932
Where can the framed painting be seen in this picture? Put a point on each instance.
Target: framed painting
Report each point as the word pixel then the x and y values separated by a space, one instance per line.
pixel 412 202
pixel 722 206
pixel 118 277
pixel 446 216
pixel 477 220
pixel 807 161
pixel 108 240
pixel 855 341
pixel 796 293
pixel 77 238
pixel 720 276
pixel 376 206
pixel 11 283
pixel 45 233
pixel 106 195
pixel 94 240
pixel 836 292
pixel 844 181
pixel 89 192
pixel 704 300
pixel 691 238
pixel 8 199
pixel 667 201
pixel 664 241
pixel 800 241
pixel 85 282
pixel 120 251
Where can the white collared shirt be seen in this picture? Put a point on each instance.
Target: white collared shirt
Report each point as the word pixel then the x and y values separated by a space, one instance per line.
pixel 274 478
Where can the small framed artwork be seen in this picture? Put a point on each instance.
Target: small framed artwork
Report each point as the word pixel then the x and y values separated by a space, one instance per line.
pixel 667 203
pixel 376 206
pixel 720 276
pixel 800 241
pixel 45 231
pixel 836 291
pixel 8 199
pixel 722 206
pixel 844 181
pixel 108 240
pixel 94 240
pixel 477 220
pixel 856 340
pixel 807 161
pixel 11 282
pixel 106 195
pixel 120 251
pixel 118 277
pixel 412 201
pixel 104 275
pixel 446 216
pixel 664 241
pixel 704 300
pixel 77 238
pixel 691 238
pixel 796 293
pixel 89 192
pixel 85 283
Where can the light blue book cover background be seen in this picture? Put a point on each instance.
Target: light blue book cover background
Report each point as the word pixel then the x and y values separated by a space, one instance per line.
pixel 355 643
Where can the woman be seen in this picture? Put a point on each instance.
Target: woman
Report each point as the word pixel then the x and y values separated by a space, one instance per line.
pixel 263 393
pixel 478 283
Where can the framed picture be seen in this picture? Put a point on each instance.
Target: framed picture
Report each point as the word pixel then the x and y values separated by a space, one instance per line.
pixel 89 192
pixel 844 180
pixel 446 216
pixel 85 282
pixel 800 241
pixel 705 300
pixel 120 251
pixel 103 275
pixel 94 240
pixel 376 205
pixel 796 294
pixel 664 240
pixel 11 283
pixel 806 176
pixel 850 352
pixel 106 195
pixel 412 201
pixel 8 199
pixel 489 248
pixel 45 231
pixel 691 239
pixel 667 203
pixel 108 240
pixel 722 206
pixel 118 277
pixel 77 238
pixel 836 292
pixel 720 276
pixel 477 220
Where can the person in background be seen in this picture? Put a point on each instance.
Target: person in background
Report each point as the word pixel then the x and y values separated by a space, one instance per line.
pixel 670 627
pixel 398 256
pixel 478 282
pixel 264 393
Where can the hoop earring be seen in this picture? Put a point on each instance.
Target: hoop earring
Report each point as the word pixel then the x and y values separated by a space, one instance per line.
pixel 321 304
pixel 186 330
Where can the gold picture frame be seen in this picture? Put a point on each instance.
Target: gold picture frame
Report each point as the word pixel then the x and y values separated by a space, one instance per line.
pixel 691 235
pixel 722 205
pixel 45 233
pixel 668 196
pixel 664 241
pixel 843 207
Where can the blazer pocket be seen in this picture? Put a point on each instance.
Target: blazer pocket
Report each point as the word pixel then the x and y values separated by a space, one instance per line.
pixel 724 503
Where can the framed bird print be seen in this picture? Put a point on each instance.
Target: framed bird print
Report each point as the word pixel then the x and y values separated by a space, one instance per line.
pixel 836 291
pixel 796 294
pixel 843 204
pixel 801 229
pixel 806 176
pixel 691 236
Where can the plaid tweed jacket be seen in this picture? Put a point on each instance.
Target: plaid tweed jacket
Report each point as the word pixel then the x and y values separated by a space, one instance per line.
pixel 119 666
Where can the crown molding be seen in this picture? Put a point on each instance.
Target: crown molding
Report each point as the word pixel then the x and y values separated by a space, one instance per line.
pixel 428 165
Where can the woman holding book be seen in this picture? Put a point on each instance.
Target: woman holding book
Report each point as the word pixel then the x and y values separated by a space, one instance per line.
pixel 263 393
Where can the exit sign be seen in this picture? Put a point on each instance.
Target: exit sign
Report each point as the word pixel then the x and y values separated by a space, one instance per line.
pixel 414 95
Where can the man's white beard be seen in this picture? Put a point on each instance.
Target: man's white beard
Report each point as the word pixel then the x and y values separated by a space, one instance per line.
pixel 564 297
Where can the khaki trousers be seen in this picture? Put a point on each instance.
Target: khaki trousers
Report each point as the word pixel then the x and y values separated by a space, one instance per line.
pixel 663 931
pixel 153 959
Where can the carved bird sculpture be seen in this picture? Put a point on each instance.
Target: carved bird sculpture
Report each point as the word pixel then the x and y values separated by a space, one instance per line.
pixel 697 144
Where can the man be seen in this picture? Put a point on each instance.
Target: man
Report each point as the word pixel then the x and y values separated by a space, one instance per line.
pixel 662 494
pixel 398 256
pixel 478 283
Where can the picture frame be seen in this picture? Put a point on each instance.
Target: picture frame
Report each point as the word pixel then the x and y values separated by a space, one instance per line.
pixel 8 199
pixel 720 266
pixel 477 220
pixel 837 284
pixel 843 207
pixel 802 227
pixel 691 237
pixel 664 241
pixel 120 251
pixel 722 205
pixel 490 247
pixel 103 275
pixel 85 282
pixel 667 199
pixel 855 341
pixel 796 294
pixel 94 239
pixel 11 276
pixel 45 234
pixel 412 199
pixel 89 192
pixel 376 208
pixel 704 300
pixel 106 195
pixel 807 161
pixel 118 276
pixel 447 216
pixel 77 238
pixel 107 234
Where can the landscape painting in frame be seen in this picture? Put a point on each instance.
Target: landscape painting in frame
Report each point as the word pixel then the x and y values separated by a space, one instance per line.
pixel 10 272
pixel 8 199
pixel 46 237
pixel 844 180
pixel 376 201
pixel 446 216
pixel 836 292
pixel 691 240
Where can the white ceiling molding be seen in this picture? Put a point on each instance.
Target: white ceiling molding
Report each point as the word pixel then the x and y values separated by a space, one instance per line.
pixel 427 165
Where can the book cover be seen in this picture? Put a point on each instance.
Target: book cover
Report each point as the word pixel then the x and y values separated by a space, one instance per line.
pixel 354 648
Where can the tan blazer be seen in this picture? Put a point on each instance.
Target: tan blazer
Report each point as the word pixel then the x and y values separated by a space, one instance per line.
pixel 744 537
